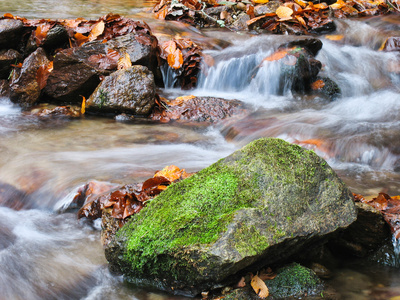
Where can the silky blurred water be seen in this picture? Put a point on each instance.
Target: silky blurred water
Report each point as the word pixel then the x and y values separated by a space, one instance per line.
pixel 46 255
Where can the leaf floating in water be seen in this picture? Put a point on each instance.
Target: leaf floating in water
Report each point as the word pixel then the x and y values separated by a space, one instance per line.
pixel 334 37
pixel 259 287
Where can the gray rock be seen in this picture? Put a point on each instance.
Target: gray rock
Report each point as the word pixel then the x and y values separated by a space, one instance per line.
pixel 258 206
pixel 8 57
pixel 125 91
pixel 268 8
pixel 10 33
pixel 25 89
pixel 240 22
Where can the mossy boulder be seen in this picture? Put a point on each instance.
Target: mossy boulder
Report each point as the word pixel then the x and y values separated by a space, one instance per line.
pixel 258 206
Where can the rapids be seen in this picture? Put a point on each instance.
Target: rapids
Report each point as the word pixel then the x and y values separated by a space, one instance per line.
pixel 47 255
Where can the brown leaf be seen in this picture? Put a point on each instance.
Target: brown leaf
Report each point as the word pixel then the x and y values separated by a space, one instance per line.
pixel 41 32
pixel 80 38
pixel 154 182
pixel 124 62
pixel 96 31
pixel 259 287
pixel 43 74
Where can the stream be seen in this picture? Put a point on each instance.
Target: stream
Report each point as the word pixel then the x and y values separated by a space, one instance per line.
pixel 47 255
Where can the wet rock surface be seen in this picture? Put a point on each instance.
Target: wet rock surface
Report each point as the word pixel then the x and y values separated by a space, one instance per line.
pixel 13 198
pixel 198 109
pixel 8 57
pixel 125 91
pixel 25 88
pixel 212 232
pixel 10 31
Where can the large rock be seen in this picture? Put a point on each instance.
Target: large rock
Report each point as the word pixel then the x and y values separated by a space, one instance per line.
pixel 25 88
pixel 125 91
pixel 77 71
pixel 260 205
pixel 8 57
pixel 10 33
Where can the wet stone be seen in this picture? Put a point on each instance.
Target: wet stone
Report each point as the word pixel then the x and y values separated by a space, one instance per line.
pixel 10 33
pixel 8 57
pixel 12 197
pixel 270 7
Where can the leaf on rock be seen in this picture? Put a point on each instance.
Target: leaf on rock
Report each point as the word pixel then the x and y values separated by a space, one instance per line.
pixel 80 39
pixel 180 100
pixel 175 59
pixel 284 13
pixel 96 31
pixel 172 173
pixel 277 55
pixel 43 74
pixel 338 4
pixel 318 84
pixel 261 1
pixel 259 287
pixel 124 62
pixel 41 32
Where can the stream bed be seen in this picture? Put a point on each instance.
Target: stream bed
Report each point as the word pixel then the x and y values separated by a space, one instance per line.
pixel 46 255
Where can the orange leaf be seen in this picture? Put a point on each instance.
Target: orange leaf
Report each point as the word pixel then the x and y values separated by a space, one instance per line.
pixel 41 32
pixel 338 4
pixel 162 13
pixel 124 62
pixel 320 6
pixel 171 172
pixel 301 21
pixel 251 21
pixel 317 85
pixel 301 3
pixel 334 37
pixel 259 287
pixel 277 55
pixel 80 38
pixel 175 60
pixel 180 100
pixel 83 107
pixel 43 73
pixel 97 30
pixel 169 47
pixel 284 12
pixel 8 16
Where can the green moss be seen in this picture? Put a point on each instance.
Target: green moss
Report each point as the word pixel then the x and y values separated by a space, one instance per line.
pixel 294 280
pixel 249 241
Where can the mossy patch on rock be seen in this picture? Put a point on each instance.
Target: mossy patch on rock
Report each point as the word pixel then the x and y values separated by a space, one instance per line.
pixel 259 205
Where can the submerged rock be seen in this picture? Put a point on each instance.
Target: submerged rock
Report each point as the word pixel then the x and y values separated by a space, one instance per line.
pixel 130 90
pixel 13 198
pixel 258 206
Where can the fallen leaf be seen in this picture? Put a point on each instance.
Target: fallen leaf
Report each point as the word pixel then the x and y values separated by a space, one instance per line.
pixel 80 38
pixel 43 74
pixel 171 172
pixel 241 283
pixel 259 287
pixel 318 84
pixel 83 107
pixel 97 30
pixel 334 37
pixel 175 59
pixel 261 1
pixel 180 100
pixel 277 55
pixel 41 32
pixel 124 62
pixel 284 13
pixel 338 4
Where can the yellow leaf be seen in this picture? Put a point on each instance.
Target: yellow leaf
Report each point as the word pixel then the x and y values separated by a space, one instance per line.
pixel 261 1
pixel 97 30
pixel 259 287
pixel 334 37
pixel 320 6
pixel 180 100
pixel 124 62
pixel 284 12
pixel 83 107
pixel 338 5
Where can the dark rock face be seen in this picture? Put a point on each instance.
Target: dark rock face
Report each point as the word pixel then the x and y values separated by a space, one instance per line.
pixel 8 57
pixel 130 90
pixel 56 37
pixel 4 88
pixel 10 32
pixel 25 89
pixel 311 45
pixel 258 206
pixel 364 236
pixel 75 74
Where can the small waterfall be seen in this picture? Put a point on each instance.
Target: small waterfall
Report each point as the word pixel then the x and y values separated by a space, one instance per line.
pixel 396 252
pixel 170 77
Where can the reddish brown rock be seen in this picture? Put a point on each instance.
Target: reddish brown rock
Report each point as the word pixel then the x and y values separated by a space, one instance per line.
pixel 25 88
pixel 10 33
pixel 8 57
pixel 198 109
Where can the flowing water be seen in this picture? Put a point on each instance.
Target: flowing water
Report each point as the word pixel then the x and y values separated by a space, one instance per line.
pixel 46 255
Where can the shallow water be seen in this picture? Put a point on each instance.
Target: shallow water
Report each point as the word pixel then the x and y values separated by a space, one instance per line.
pixel 45 255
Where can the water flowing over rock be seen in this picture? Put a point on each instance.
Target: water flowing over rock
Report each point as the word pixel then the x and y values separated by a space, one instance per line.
pixel 25 88
pixel 258 206
pixel 10 31
pixel 129 90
